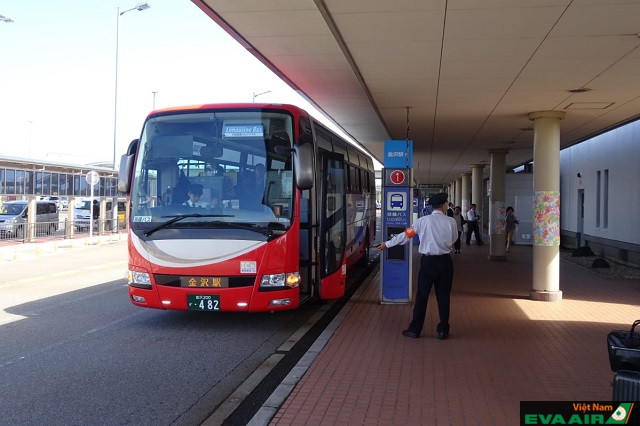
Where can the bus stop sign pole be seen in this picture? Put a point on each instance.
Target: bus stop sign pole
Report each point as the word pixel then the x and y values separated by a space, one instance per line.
pixel 397 212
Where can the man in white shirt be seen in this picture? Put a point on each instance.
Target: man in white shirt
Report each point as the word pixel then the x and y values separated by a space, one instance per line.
pixel 438 232
pixel 473 226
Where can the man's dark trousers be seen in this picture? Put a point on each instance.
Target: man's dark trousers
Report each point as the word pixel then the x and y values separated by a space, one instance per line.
pixel 472 227
pixel 434 271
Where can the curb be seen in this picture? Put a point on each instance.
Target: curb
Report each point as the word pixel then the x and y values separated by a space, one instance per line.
pixel 270 408
pixel 29 250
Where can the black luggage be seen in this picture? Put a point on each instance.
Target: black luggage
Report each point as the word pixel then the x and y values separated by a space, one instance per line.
pixel 624 349
pixel 626 386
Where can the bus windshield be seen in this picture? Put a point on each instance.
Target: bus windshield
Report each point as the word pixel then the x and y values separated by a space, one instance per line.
pixel 216 170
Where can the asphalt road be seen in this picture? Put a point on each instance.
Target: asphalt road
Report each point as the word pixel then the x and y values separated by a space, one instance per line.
pixel 75 351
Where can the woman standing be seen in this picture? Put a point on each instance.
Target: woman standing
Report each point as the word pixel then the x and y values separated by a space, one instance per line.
pixel 512 221
pixel 457 216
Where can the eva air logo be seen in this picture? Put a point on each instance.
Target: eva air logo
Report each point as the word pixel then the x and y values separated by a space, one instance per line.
pixel 621 414
pixel 575 413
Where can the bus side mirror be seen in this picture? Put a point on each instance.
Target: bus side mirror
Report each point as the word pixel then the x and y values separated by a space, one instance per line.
pixel 126 167
pixel 303 161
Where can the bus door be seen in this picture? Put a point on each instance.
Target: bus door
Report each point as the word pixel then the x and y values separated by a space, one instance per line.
pixel 333 232
pixel 308 256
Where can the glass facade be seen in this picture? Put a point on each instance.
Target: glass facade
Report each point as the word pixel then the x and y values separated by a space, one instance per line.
pixel 20 183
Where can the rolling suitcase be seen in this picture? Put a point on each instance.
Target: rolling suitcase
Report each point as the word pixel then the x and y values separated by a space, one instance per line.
pixel 626 386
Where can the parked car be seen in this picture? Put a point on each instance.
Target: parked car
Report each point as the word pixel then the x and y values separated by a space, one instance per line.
pixel 56 200
pixel 83 212
pixel 13 218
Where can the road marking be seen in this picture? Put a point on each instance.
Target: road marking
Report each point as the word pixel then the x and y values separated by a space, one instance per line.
pixel 61 342
pixel 60 274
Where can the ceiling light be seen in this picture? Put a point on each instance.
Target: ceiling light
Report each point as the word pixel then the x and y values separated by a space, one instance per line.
pixel 589 105
pixel 578 90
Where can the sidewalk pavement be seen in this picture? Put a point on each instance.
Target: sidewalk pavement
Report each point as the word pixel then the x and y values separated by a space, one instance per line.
pixel 503 348
pixel 19 250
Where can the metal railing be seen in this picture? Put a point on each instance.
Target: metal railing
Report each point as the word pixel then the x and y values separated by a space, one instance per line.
pixel 40 231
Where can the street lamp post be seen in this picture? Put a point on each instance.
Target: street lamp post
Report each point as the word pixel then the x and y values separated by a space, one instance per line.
pixel 155 92
pixel 255 95
pixel 30 133
pixel 140 7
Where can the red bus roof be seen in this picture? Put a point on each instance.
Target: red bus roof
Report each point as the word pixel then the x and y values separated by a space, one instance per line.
pixel 249 105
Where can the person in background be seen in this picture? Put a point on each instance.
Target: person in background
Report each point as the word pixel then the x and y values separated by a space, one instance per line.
pixel 459 218
pixel 427 210
pixel 450 210
pixel 216 202
pixel 260 173
pixel 247 193
pixel 437 233
pixel 473 227
pixel 179 192
pixel 227 185
pixel 512 221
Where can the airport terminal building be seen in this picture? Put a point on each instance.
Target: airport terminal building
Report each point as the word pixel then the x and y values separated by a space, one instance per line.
pixel 21 178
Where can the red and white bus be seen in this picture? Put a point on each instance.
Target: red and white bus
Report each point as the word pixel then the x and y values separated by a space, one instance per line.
pixel 286 207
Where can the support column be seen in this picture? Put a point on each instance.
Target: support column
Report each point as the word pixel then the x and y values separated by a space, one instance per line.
pixel 466 192
pixel 102 215
pixel 458 184
pixel 546 205
pixel 498 215
pixel 477 192
pixel 29 233
pixel 71 217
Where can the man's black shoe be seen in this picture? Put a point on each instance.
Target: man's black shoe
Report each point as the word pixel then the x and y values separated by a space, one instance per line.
pixel 408 333
pixel 442 335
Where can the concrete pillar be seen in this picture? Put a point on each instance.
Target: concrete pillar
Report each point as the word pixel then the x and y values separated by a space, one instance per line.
pixel 32 209
pixel 466 192
pixel 102 216
pixel 458 184
pixel 71 217
pixel 477 192
pixel 497 215
pixel 452 192
pixel 546 205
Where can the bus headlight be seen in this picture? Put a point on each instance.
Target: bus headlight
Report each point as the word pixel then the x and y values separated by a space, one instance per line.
pixel 291 279
pixel 139 279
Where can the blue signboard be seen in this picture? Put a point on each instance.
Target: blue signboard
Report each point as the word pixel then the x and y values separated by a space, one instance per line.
pixel 396 261
pixel 398 154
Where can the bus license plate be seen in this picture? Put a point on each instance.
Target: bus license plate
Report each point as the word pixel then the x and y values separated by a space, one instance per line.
pixel 203 302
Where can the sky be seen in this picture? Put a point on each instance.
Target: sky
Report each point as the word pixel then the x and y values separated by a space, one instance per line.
pixel 58 72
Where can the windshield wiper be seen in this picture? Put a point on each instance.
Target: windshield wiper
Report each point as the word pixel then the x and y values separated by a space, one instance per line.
pixel 267 232
pixel 175 218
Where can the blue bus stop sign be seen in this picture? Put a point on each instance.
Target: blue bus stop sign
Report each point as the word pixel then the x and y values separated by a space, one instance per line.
pixel 397 210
